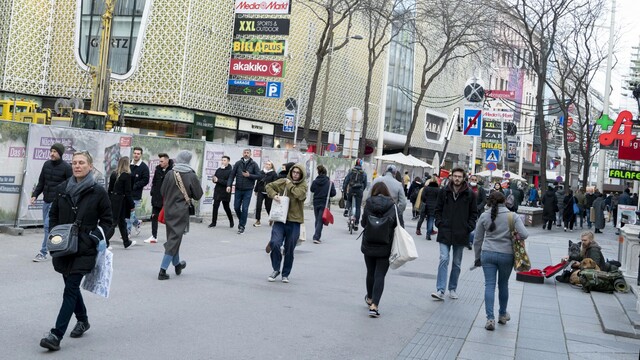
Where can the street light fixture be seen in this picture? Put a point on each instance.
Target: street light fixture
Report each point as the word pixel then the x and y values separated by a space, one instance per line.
pixel 324 91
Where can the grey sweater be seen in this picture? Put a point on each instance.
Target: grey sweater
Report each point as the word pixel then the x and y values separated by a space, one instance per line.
pixel 498 240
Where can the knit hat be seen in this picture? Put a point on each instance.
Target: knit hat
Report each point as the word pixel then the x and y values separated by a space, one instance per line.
pixel 59 148
pixel 183 157
pixel 392 169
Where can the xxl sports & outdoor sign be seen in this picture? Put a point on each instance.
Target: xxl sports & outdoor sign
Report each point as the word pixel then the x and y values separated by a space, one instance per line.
pixel 256 26
pixel 279 7
pixel 252 67
pixel 259 47
pixel 624 174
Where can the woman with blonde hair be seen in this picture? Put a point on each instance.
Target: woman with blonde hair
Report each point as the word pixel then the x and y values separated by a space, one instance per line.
pixel 121 200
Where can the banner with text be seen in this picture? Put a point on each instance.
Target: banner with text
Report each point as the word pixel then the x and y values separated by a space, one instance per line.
pixel 13 145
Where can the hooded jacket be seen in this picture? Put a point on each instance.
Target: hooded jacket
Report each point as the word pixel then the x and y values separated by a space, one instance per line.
pixel 320 190
pixel 244 183
pixel 296 191
pixel 379 206
pixel 156 184
pixel 455 214
pixel 53 173
pixel 347 179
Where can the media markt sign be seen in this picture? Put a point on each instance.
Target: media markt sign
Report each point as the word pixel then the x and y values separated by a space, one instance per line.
pixel 259 47
pixel 279 7
pixel 271 68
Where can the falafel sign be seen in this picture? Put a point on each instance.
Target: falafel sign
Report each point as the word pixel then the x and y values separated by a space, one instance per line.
pixel 271 68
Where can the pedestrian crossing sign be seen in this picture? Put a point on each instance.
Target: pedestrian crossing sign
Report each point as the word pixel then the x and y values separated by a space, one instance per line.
pixel 492 155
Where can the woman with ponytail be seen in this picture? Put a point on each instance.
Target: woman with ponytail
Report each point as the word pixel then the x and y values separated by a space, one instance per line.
pixel 493 247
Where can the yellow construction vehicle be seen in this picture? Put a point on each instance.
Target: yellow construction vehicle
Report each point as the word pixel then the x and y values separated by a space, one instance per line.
pixel 24 111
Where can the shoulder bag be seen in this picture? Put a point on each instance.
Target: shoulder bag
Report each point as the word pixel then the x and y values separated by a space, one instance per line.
pixel 521 260
pixel 280 210
pixel 187 199
pixel 327 216
pixel 576 208
pixel 63 238
pixel 403 248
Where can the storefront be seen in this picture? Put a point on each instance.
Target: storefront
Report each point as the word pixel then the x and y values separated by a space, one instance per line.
pixel 158 121
pixel 203 125
pixel 225 129
pixel 255 133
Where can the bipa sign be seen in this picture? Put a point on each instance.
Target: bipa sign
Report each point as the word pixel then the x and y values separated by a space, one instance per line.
pixel 280 7
pixel 269 68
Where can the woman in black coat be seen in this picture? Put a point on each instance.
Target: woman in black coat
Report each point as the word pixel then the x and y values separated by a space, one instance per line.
pixel 93 210
pixel 549 207
pixel 414 188
pixel 568 215
pixel 121 200
pixel 268 175
pixel 322 189
pixel 220 193
pixel 376 247
pixel 430 200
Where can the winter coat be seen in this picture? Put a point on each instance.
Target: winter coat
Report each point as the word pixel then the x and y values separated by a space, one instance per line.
pixel 379 206
pixel 120 195
pixel 593 252
pixel 176 209
pixel 395 189
pixel 244 183
pixel 533 195
pixel 156 184
pixel 624 199
pixel 598 207
pixel 139 179
pixel 297 193
pixel 95 209
pixel 456 215
pixel 430 199
pixel 53 173
pixel 347 180
pixel 412 193
pixel 220 191
pixel 568 213
pixel 481 198
pixel 549 205
pixel 582 199
pixel 589 198
pixel 320 190
pixel 518 194
pixel 265 178
pixel 560 197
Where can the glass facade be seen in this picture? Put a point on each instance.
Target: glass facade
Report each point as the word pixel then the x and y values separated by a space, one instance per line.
pixel 125 26
pixel 399 107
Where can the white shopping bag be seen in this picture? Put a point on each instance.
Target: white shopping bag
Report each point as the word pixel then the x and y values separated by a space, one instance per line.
pixel 279 210
pixel 98 281
pixel 403 248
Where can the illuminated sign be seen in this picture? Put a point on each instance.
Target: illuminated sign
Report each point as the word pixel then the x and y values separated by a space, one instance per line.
pixel 257 26
pixel 624 174
pixel 259 47
pixel 250 67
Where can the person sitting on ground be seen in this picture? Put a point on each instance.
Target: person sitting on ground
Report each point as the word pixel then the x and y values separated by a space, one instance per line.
pixel 592 250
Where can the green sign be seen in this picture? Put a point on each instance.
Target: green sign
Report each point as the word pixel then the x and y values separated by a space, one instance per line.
pixel 624 174
pixel 203 121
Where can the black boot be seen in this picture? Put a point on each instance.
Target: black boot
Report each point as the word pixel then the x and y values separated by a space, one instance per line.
pixel 180 266
pixel 162 275
pixel 213 224
pixel 231 222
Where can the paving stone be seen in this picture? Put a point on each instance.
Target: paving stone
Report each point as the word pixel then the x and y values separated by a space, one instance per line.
pixel 600 356
pixel 606 340
pixel 497 337
pixel 579 319
pixel 555 345
pixel 528 354
pixel 478 351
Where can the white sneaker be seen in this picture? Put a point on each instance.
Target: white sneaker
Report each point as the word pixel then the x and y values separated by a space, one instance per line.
pixel 133 243
pixel 453 294
pixel 439 295
pixel 110 248
pixel 151 240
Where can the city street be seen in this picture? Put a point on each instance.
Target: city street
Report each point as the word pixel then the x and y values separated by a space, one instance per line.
pixel 223 307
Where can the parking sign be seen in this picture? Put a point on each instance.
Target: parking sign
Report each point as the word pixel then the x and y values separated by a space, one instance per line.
pixel 472 122
pixel 274 89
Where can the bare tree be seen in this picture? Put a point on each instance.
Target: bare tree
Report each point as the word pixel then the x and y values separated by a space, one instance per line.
pixel 332 14
pixel 445 31
pixel 385 20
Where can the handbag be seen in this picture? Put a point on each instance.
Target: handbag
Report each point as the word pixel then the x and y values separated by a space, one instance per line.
pixel 327 216
pixel 403 248
pixel 192 209
pixel 98 281
pixel 521 261
pixel 161 219
pixel 576 208
pixel 63 240
pixel 279 210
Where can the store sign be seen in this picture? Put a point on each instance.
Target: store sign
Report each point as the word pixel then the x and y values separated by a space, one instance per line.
pixel 433 127
pixel 257 26
pixel 272 68
pixel 624 174
pixel 259 47
pixel 279 7
pixel 157 113
pixel 226 122
pixel 491 145
pixel 499 115
pixel 501 94
pixel 255 127
pixel 270 89
pixel 203 121
pixel 631 152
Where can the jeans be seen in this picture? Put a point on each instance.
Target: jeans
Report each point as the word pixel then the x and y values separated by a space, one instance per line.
pixel 227 210
pixel 430 221
pixel 317 211
pixel 357 195
pixel 287 233
pixel 559 217
pixel 267 204
pixel 588 214
pixel 242 199
pixel 45 215
pixel 472 236
pixel 500 264
pixel 155 212
pixel 441 282
pixel 377 268
pixel 133 219
pixel 168 259
pixel 72 303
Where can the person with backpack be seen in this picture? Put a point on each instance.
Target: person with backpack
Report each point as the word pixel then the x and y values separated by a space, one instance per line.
pixel 353 189
pixel 413 191
pixel 379 222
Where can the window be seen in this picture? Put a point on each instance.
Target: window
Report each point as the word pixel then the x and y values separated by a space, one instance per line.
pixel 127 27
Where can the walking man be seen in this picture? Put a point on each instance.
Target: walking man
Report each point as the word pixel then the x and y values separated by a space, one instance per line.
pixel 139 179
pixel 54 172
pixel 165 164
pixel 245 173
pixel 220 193
pixel 456 214
pixel 395 189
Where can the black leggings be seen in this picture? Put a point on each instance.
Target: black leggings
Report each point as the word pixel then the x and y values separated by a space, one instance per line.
pixel 227 209
pixel 377 268
pixel 548 224
pixel 155 211
pixel 267 204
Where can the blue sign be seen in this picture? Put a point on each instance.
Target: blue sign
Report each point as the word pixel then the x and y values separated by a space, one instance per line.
pixel 492 155
pixel 491 166
pixel 274 89
pixel 472 122
pixel 289 123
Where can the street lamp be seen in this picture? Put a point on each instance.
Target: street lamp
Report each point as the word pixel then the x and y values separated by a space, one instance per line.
pixel 324 93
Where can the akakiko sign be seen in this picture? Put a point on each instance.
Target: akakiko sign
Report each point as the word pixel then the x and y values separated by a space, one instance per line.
pixel 256 26
pixel 252 67
pixel 279 7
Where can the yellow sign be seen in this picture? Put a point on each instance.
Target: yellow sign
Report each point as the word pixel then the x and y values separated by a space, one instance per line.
pixel 491 145
pixel 259 47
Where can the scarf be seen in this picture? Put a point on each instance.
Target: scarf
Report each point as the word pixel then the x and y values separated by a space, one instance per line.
pixel 75 188
pixel 182 168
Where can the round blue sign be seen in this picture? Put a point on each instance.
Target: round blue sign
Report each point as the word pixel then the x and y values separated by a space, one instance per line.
pixel 491 166
pixel 559 179
pixel 507 175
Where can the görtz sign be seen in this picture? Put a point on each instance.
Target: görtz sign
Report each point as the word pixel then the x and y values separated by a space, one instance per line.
pixel 279 7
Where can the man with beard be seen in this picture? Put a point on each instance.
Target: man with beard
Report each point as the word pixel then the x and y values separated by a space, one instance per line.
pixel 245 173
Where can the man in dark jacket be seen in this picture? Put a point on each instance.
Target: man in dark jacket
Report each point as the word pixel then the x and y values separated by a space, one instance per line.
pixel 220 193
pixel 245 173
pixel 559 192
pixel 456 215
pixel 139 179
pixel 53 173
pixel 164 165
pixel 322 189
pixel 549 208
pixel 353 188
pixel 589 198
pixel 481 201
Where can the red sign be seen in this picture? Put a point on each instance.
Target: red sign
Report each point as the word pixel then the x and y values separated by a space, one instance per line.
pixel 271 68
pixel 502 94
pixel 444 173
pixel 491 166
pixel 631 152
pixel 569 121
pixel 571 136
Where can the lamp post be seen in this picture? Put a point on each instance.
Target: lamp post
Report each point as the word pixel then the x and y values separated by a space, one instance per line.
pixel 324 91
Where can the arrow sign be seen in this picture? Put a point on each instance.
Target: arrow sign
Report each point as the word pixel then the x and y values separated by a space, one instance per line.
pixel 472 122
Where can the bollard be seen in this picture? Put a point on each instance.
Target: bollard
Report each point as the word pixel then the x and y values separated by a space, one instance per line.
pixel 638 283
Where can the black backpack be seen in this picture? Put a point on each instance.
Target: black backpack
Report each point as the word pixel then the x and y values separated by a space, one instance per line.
pixel 378 230
pixel 356 181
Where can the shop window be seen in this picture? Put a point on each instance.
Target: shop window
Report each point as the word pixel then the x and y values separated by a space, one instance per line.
pixel 224 136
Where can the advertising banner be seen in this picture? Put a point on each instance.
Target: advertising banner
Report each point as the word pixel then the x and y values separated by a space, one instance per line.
pixel 278 7
pixel 13 145
pixel 106 149
pixel 259 47
pixel 257 26
pixel 252 67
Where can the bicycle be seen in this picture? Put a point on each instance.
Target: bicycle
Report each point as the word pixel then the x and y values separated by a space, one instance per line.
pixel 351 222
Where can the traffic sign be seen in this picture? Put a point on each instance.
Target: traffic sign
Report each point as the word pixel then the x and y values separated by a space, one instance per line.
pixel 332 147
pixel 291 104
pixel 492 155
pixel 491 166
pixel 474 91
pixel 571 136
pixel 506 175
pixel 274 89
pixel 472 122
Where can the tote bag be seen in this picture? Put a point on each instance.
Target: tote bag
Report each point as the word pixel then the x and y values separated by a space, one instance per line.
pixel 279 210
pixel 327 216
pixel 403 248
pixel 521 261
pixel 98 281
